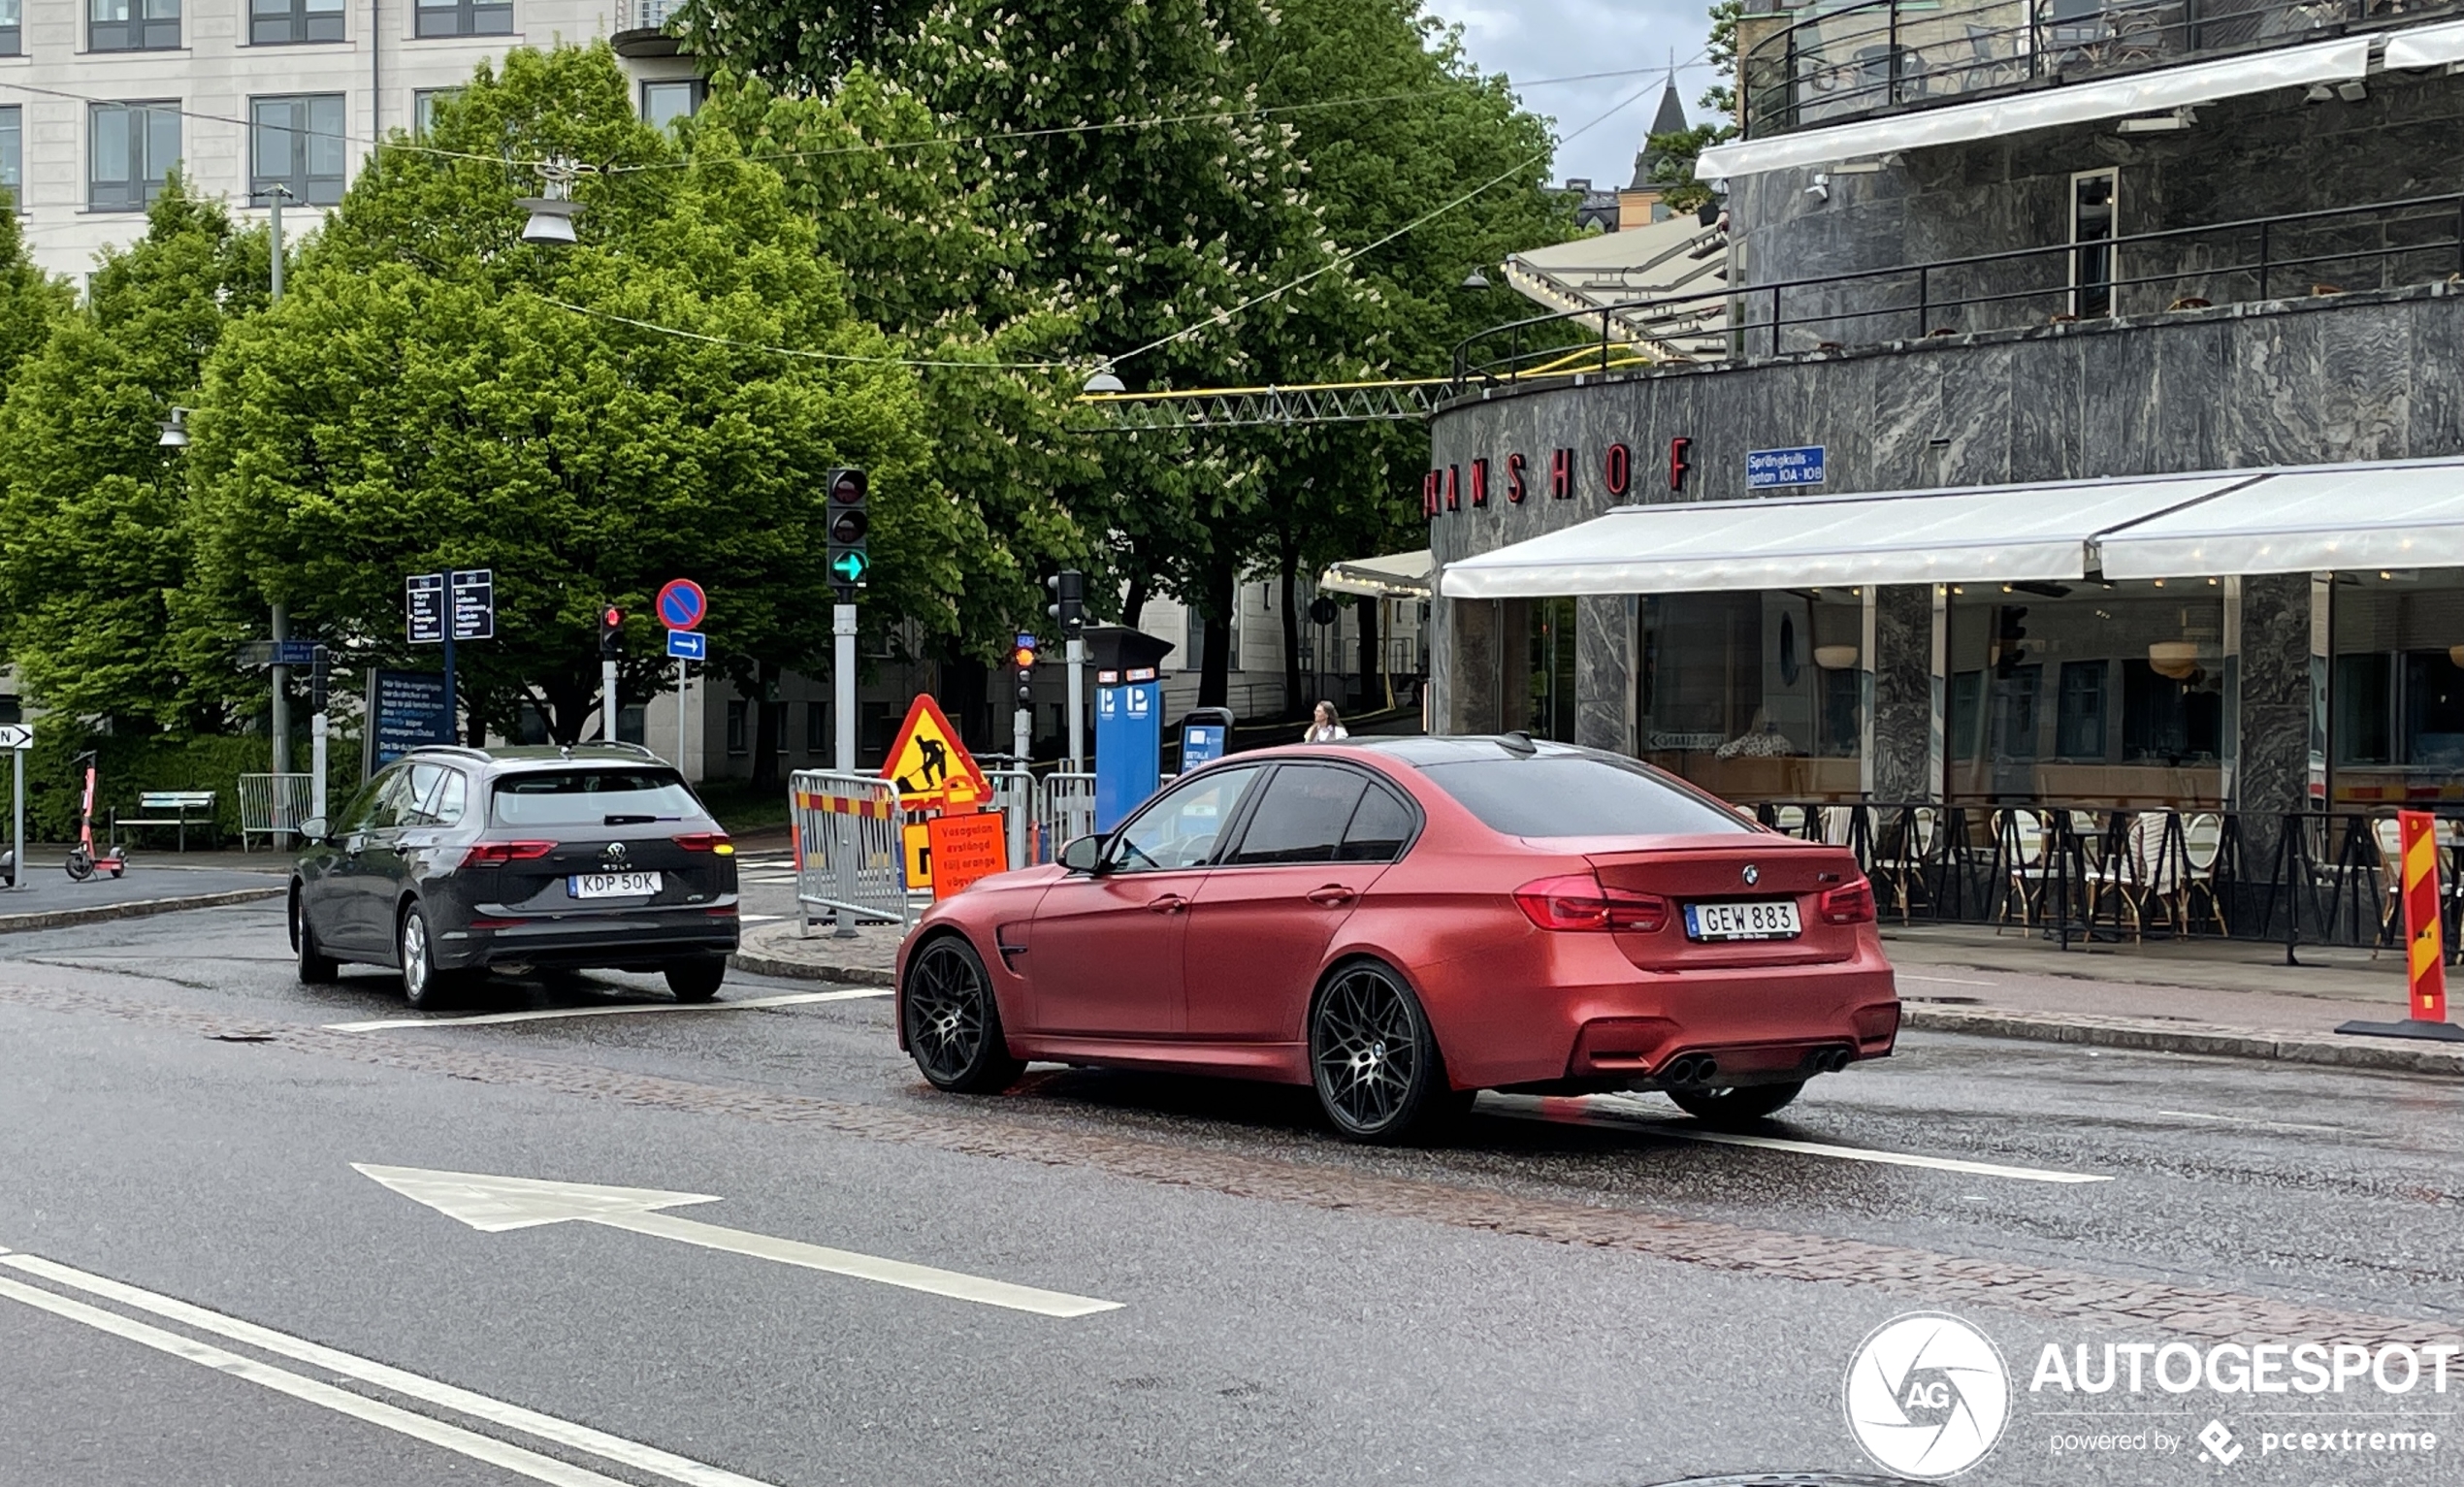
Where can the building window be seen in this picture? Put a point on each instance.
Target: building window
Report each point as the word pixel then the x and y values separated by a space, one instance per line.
pixel 739 736
pixel 296 142
pixel 463 17
pixel 12 28
pixel 665 102
pixel 1758 697
pixel 424 103
pixel 2398 687
pixel 132 25
pixel 274 23
pixel 2092 200
pixel 13 153
pixel 131 147
pixel 817 728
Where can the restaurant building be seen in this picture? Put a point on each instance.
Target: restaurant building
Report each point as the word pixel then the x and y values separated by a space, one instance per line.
pixel 2088 429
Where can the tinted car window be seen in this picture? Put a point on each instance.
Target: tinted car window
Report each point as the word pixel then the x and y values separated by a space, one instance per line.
pixel 593 798
pixel 439 793
pixel 1179 828
pixel 1301 816
pixel 379 804
pixel 1380 826
pixel 1577 796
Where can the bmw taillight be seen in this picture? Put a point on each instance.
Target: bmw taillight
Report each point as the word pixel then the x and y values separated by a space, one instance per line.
pixel 706 841
pixel 1581 901
pixel 499 853
pixel 1850 903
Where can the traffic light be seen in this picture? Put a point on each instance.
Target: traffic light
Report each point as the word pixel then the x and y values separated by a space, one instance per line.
pixel 611 633
pixel 319 671
pixel 1023 657
pixel 1069 600
pixel 849 564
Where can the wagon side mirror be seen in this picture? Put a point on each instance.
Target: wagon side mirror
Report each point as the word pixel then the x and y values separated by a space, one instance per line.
pixel 315 830
pixel 1082 854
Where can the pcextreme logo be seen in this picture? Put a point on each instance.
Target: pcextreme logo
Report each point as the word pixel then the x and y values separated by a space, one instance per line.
pixel 1927 1395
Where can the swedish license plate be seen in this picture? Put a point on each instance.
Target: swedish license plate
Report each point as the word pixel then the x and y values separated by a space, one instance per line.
pixel 612 884
pixel 1773 918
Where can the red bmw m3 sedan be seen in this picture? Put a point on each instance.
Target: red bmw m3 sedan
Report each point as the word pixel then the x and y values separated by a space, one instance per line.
pixel 1404 922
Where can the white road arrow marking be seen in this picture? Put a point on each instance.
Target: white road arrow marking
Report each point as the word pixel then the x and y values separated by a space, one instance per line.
pixel 494 1204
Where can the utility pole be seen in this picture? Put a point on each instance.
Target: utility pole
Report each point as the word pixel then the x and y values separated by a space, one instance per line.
pixel 281 722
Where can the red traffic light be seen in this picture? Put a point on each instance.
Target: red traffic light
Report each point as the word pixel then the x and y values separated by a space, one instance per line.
pixel 611 619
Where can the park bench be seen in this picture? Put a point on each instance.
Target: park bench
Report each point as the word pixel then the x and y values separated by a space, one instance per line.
pixel 170 808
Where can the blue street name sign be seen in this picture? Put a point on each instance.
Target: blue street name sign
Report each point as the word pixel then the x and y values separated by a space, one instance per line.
pixel 1765 469
pixel 688 645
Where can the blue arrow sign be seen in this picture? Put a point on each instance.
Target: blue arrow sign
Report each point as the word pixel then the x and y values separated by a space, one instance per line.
pixel 688 645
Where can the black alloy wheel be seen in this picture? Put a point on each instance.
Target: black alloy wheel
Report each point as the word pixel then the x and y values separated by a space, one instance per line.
pixel 1374 1060
pixel 698 981
pixel 953 1026
pixel 316 967
pixel 1731 1109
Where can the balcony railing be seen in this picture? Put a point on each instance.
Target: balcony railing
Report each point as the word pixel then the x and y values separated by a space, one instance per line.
pixel 647 28
pixel 1876 55
pixel 2376 247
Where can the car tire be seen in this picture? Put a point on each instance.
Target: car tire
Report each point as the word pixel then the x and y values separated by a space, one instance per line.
pixel 316 968
pixel 1730 1109
pixel 953 1021
pixel 1375 1061
pixel 424 985
pixel 698 981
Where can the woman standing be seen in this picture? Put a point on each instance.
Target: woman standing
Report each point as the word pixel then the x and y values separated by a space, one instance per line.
pixel 1325 727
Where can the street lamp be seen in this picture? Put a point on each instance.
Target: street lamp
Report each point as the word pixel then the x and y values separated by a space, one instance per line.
pixel 175 429
pixel 1476 279
pixel 552 214
pixel 1103 381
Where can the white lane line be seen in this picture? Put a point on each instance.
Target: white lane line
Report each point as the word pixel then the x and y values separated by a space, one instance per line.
pixel 760 919
pixel 956 1284
pixel 1945 981
pixel 2260 1125
pixel 1613 1110
pixel 580 1437
pixel 772 877
pixel 620 1009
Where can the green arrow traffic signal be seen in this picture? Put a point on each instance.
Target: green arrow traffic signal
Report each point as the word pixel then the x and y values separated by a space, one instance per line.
pixel 849 568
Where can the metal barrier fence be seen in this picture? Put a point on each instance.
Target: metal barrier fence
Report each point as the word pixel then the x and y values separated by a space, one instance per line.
pixel 1066 808
pixel 850 856
pixel 2069 872
pixel 272 805
pixel 1014 795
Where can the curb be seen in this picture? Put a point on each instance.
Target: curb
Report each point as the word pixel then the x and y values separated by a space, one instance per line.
pixel 95 914
pixel 805 970
pixel 2282 1047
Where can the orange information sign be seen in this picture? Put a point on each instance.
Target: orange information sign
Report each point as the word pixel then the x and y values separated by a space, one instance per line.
pixel 964 848
pixel 932 770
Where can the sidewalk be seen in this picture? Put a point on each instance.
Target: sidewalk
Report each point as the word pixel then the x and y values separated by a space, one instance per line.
pixel 157 883
pixel 2221 999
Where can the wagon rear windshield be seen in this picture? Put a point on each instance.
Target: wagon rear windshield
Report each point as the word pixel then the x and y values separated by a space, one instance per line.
pixel 1578 796
pixel 593 798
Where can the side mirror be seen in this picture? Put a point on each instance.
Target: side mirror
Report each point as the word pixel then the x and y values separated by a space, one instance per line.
pixel 315 830
pixel 1082 854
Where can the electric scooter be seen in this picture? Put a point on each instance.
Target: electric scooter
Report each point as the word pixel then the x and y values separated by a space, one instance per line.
pixel 83 861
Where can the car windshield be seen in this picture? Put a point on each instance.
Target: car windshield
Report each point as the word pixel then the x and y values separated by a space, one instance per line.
pixel 1578 795
pixel 593 798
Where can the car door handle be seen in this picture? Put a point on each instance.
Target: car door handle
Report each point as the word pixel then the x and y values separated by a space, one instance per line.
pixel 1333 895
pixel 1169 903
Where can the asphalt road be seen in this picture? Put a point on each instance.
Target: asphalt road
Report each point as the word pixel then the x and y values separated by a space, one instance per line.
pixel 1570 1291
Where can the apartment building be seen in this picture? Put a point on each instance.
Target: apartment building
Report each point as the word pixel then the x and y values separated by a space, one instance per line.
pixel 100 99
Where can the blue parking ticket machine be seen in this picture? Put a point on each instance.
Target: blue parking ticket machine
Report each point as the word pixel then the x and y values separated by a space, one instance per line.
pixel 1129 742
pixel 1202 735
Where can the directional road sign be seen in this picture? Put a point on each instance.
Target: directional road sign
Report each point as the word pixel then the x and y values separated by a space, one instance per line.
pixel 17 735
pixel 688 645
pixel 492 1204
pixel 682 606
pixel 473 604
pixel 424 597
pixel 279 652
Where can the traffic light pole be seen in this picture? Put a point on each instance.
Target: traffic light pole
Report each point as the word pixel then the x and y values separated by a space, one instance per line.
pixel 1077 655
pixel 843 685
pixel 607 698
pixel 1022 744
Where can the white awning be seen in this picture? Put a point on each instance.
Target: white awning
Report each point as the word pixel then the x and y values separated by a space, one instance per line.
pixel 2395 515
pixel 2005 533
pixel 2146 92
pixel 2426 45
pixel 1396 575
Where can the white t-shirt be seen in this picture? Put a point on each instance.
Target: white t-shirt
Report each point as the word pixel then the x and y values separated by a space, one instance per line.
pixel 1317 734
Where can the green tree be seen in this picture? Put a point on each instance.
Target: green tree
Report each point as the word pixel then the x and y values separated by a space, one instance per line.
pixel 31 300
pixel 95 544
pixel 434 393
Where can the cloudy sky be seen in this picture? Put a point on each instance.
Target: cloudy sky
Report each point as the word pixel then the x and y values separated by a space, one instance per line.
pixel 1532 39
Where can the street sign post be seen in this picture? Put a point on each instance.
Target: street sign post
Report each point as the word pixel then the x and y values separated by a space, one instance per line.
pixel 682 606
pixel 17 738
pixel 468 597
